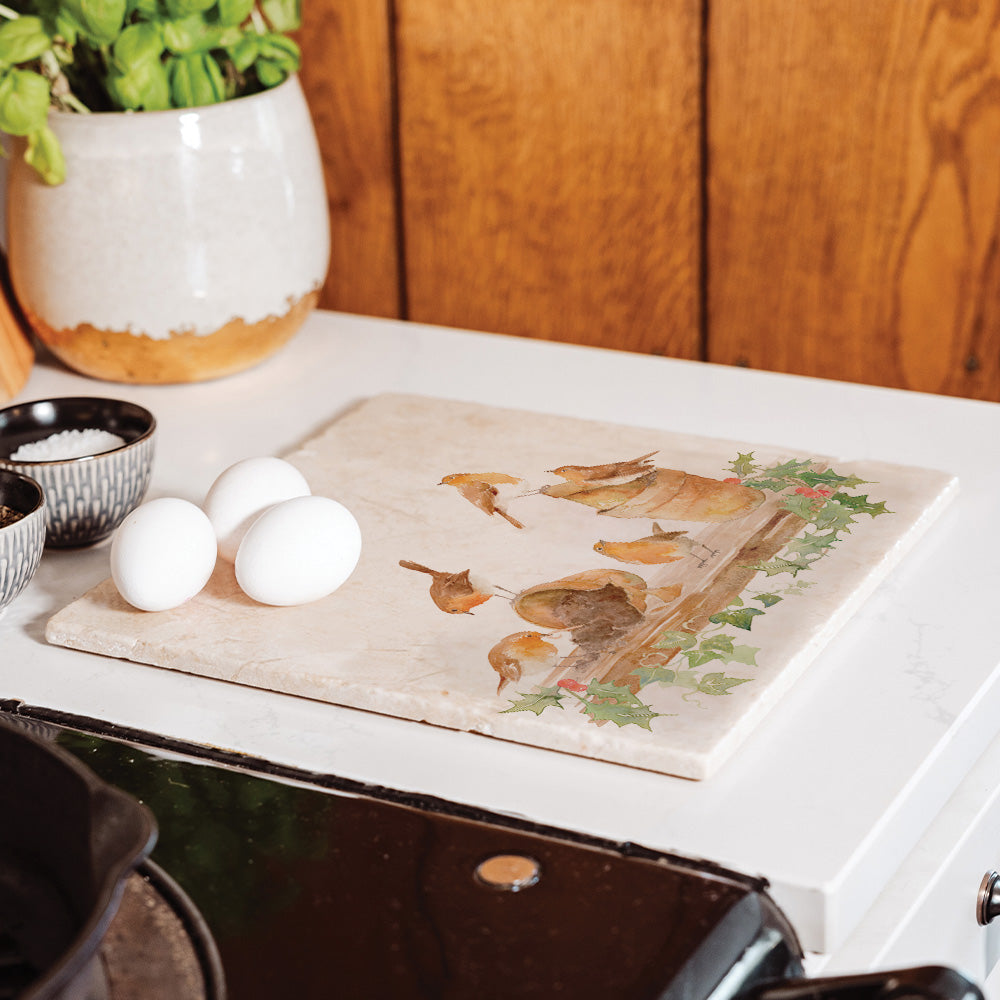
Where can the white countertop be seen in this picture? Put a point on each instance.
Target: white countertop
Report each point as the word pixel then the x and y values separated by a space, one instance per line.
pixel 824 800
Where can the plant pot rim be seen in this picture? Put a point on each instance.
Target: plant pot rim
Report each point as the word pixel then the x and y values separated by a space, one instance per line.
pixel 290 82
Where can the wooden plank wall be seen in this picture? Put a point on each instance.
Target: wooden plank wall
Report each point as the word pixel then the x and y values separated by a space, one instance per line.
pixel 854 190
pixel 809 186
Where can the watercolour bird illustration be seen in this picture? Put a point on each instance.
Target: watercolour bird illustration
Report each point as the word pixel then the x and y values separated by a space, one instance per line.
pixel 521 651
pixel 480 489
pixel 653 550
pixel 454 593
pixel 609 472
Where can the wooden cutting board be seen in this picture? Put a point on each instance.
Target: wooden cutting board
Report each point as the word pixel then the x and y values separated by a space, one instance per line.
pixel 648 596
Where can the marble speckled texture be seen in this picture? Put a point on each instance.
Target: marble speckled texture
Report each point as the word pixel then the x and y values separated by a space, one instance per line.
pixel 381 644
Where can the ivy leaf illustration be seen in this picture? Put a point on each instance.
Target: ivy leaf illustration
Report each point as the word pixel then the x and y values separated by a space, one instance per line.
pixel 812 544
pixel 747 655
pixel 719 643
pixel 537 701
pixel 671 639
pixel 741 617
pixel 655 675
pixel 775 566
pixel 768 600
pixel 743 466
pixel 719 683
pixel 699 657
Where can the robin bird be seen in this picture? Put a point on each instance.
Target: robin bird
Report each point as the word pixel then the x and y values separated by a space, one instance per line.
pixel 480 489
pixel 656 549
pixel 454 593
pixel 629 469
pixel 515 653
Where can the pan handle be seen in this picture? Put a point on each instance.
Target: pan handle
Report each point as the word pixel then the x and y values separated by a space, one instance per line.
pixel 930 982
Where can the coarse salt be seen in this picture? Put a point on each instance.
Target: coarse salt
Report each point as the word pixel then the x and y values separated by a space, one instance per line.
pixel 68 444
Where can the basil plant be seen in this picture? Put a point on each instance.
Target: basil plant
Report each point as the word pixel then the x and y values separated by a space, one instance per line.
pixel 133 55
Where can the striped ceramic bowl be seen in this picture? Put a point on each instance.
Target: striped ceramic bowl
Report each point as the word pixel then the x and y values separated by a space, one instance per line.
pixel 88 496
pixel 22 533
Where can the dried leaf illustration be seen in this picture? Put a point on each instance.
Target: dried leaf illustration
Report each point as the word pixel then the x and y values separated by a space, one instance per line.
pixel 629 469
pixel 480 489
pixel 521 651
pixel 454 593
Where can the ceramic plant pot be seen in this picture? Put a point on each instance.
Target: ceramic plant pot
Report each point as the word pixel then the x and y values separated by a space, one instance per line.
pixel 183 245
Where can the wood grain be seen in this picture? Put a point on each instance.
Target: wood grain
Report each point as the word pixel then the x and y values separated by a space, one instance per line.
pixel 550 168
pixel 347 76
pixel 17 356
pixel 854 190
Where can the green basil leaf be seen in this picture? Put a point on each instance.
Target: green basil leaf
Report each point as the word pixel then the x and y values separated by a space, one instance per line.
pixel 46 156
pixel 100 21
pixel 183 8
pixel 22 40
pixel 234 12
pixel 283 15
pixel 191 34
pixel 196 80
pixel 24 102
pixel 138 43
pixel 144 87
pixel 243 53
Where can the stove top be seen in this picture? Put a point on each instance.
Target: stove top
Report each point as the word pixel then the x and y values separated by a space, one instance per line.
pixel 289 883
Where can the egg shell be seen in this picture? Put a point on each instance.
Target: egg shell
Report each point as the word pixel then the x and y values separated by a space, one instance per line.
pixel 298 551
pixel 243 492
pixel 162 554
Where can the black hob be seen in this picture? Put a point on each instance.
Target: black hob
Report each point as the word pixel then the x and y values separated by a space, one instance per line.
pixel 267 882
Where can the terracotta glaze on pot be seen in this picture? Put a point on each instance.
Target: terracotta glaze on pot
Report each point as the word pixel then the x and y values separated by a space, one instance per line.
pixel 184 245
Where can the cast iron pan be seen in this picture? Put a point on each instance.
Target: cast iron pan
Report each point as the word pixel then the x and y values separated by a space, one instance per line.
pixel 68 842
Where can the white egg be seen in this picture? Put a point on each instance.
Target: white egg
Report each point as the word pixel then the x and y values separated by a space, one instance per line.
pixel 298 551
pixel 243 492
pixel 163 554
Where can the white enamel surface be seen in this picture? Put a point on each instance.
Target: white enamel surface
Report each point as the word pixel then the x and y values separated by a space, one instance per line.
pixel 298 551
pixel 244 491
pixel 825 800
pixel 173 221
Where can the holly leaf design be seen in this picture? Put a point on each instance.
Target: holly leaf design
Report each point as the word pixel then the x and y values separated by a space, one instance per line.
pixel 829 478
pixel 740 617
pixel 672 639
pixel 834 515
pixel 743 466
pixel 792 469
pixel 536 701
pixel 719 684
pixel 861 504
pixel 801 506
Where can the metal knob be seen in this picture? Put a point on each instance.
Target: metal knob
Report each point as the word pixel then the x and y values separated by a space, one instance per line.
pixel 988 901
